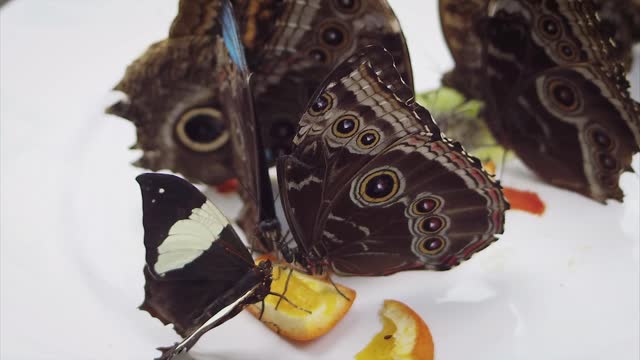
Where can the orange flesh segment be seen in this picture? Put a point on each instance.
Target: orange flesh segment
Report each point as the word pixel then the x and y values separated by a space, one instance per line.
pixel 308 293
pixel 228 186
pixel 524 200
pixel 490 167
pixel 404 335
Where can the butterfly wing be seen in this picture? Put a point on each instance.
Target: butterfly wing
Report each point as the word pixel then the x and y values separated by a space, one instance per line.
pixel 569 117
pixel 620 20
pixel 293 45
pixel 374 187
pixel 459 19
pixel 249 161
pixel 193 255
pixel 176 106
pixel 176 97
pixel 197 18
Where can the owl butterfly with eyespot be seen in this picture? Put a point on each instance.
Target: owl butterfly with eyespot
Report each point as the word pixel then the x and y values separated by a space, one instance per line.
pixel 553 90
pixel 174 98
pixel 372 187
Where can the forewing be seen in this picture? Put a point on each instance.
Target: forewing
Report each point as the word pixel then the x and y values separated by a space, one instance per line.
pixel 335 162
pixel 293 45
pixel 186 237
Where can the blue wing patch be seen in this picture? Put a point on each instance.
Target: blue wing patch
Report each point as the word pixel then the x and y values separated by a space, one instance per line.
pixel 231 36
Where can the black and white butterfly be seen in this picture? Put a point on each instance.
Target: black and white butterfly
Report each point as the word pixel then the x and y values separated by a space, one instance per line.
pixel 198 273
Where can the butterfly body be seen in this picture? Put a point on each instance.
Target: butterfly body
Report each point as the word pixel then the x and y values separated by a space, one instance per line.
pixel 372 187
pixel 554 93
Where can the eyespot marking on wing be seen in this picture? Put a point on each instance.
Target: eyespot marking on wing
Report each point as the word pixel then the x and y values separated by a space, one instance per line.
pixel 202 130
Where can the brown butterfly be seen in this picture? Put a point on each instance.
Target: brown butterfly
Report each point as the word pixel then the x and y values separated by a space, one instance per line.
pixel 372 186
pixel 553 89
pixel 291 45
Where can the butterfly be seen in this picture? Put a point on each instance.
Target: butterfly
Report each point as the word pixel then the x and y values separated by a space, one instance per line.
pixel 553 90
pixel 174 100
pixel 198 273
pixel 372 186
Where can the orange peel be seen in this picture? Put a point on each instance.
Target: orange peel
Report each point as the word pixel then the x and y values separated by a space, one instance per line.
pixel 404 336
pixel 315 305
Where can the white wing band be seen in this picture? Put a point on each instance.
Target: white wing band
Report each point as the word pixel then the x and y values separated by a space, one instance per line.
pixel 189 238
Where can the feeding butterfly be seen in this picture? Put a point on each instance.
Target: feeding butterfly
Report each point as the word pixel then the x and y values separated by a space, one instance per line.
pixel 373 187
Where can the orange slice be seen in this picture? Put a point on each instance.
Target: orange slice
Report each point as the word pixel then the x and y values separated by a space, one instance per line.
pixel 229 186
pixel 404 336
pixel 524 200
pixel 317 305
pixel 490 166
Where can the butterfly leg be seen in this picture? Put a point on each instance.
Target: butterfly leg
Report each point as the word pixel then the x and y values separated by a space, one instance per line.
pixel 261 310
pixel 336 287
pixel 286 287
pixel 282 297
pixel 187 343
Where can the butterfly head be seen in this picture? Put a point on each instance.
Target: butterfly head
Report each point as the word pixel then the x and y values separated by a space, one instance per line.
pixel 180 119
pixel 264 272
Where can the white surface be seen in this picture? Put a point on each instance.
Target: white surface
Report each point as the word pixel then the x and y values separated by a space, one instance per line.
pixel 562 286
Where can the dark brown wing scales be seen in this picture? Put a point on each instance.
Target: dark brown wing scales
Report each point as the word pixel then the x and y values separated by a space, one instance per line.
pixel 180 121
pixel 293 45
pixel 405 208
pixel 196 18
pixel 459 20
pixel 570 85
pixel 554 90
pixel 372 188
pixel 193 255
pixel 603 148
pixel 174 88
pixel 620 21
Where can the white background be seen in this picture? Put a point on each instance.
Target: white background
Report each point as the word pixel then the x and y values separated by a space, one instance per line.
pixel 561 286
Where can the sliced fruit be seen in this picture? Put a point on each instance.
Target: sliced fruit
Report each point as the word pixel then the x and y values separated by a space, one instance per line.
pixel 404 336
pixel 524 200
pixel 489 166
pixel 314 307
pixel 228 186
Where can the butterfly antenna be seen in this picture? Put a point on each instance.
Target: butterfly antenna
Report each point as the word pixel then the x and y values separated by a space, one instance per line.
pixel 282 297
pixel 337 289
pixel 286 287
